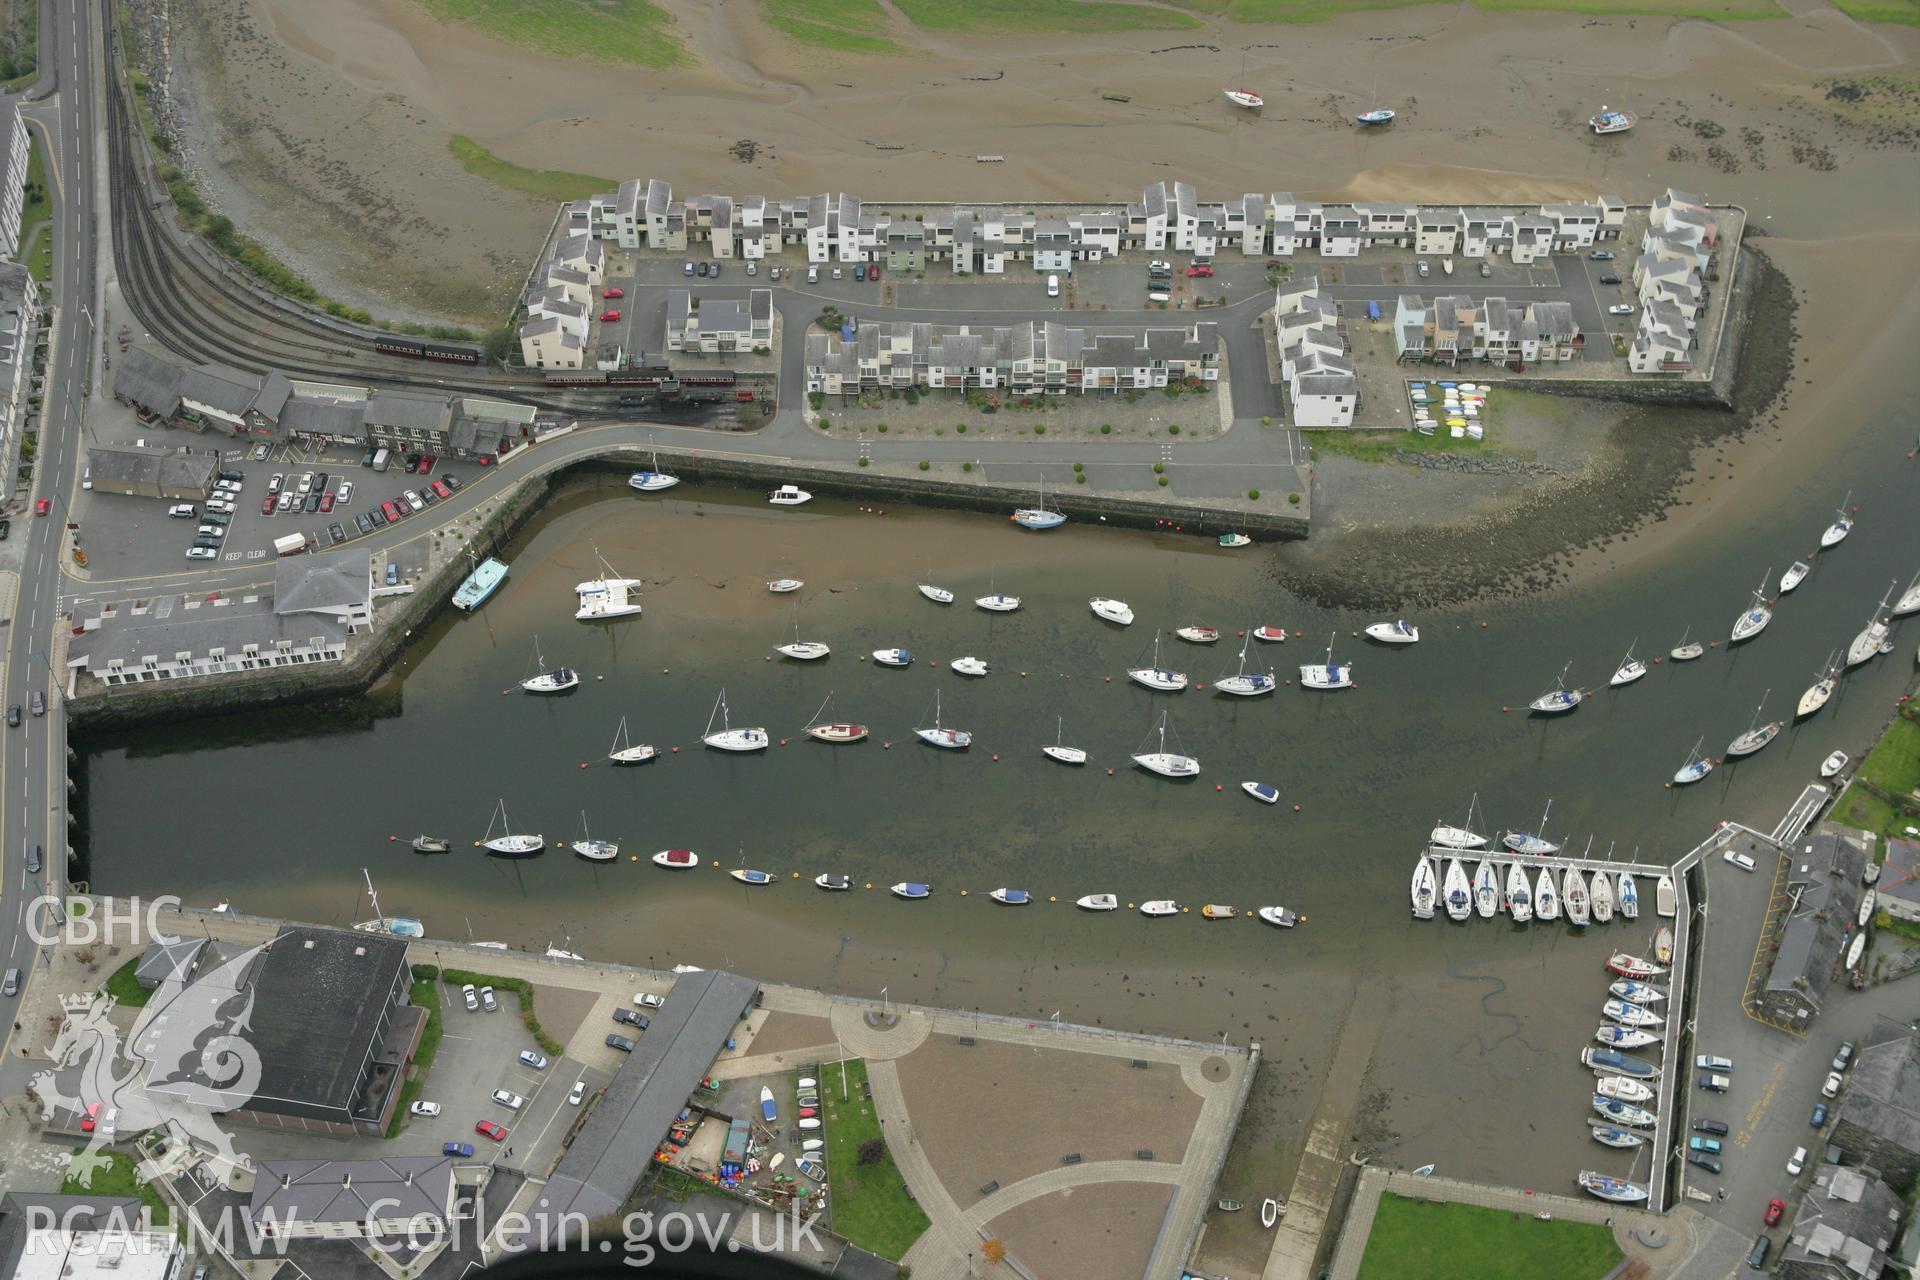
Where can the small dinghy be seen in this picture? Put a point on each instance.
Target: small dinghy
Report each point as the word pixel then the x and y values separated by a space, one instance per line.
pixel 969 666
pixel 909 890
pixel 1662 950
pixel 1270 635
pixel 1098 902
pixel 1199 635
pixel 1010 897
pixel 783 586
pixel 1160 907
pixel 1794 576
pixel 1115 611
pixel 1833 764
pixel 430 844
pixel 676 859
pixel 1618 1190
pixel 788 495
pixel 893 657
pixel 1228 1206
pixel 1613 1136
pixel 1265 793
pixel 1401 632
pixel 1269 1213
pixel 833 883
pixel 1279 917
pixel 1217 911
pixel 746 875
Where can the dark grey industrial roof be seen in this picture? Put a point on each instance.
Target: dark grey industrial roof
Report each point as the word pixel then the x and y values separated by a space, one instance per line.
pixel 148 466
pixel 229 391
pixel 616 1144
pixel 316 1011
pixel 339 419
pixel 409 411
pixel 722 315
pixel 1821 926
pixel 353 1190
pixel 1883 1096
pixel 148 381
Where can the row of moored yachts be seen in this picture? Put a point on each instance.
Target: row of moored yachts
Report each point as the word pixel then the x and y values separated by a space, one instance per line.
pixel 1626 1086
pixel 1548 893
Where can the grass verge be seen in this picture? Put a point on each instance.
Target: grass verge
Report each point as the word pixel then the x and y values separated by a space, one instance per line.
pixel 547 184
pixel 123 987
pixel 1904 12
pixel 1894 763
pixel 870 1202
pixel 1042 15
pixel 1384 446
pixel 425 994
pixel 1320 10
pixel 1861 809
pixel 118 1179
pixel 844 25
pixel 37 212
pixel 521 988
pixel 1466 1242
pixel 631 31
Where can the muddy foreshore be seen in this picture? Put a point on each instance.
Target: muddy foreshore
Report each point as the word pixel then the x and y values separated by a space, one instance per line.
pixel 1529 545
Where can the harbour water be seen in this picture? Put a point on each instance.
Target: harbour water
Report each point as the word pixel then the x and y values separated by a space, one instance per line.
pixel 279 812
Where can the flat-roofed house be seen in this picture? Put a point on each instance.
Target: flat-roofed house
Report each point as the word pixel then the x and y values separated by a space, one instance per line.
pixel 1575 226
pixel 1436 232
pixel 1412 339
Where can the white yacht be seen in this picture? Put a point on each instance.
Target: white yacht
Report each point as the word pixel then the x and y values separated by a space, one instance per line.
pixel 1456 891
pixel 607 596
pixel 1168 764
pixel 893 657
pixel 1160 907
pixel 1486 889
pixel 1459 837
pixel 507 843
pixel 1573 895
pixel 1909 601
pixel 1759 613
pixel 1629 670
pixel 1328 674
pixel 803 650
pixel 785 586
pixel 939 595
pixel 1401 632
pixel 937 735
pixel 1795 575
pixel 1836 533
pixel 594 850
pixel 788 495
pixel 1245 684
pixel 1041 516
pixel 624 752
pixel 1686 650
pixel 1867 644
pixel 1157 676
pixel 1059 750
pixel 1558 698
pixel 1600 897
pixel 1519 897
pixel 1546 898
pixel 1628 897
pixel 997 602
pixel 558 680
pixel 1423 888
pixel 1819 691
pixel 1696 767
pixel 1112 610
pixel 652 480
pixel 728 738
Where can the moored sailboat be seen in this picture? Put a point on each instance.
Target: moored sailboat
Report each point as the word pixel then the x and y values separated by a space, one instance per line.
pixel 559 680
pixel 591 849
pixel 1423 889
pixel 625 752
pixel 1328 674
pixel 1244 684
pixel 1558 698
pixel 833 731
pixel 1868 642
pixel 507 843
pixel 1686 650
pixel 1757 735
pixel 1486 889
pixel 1519 897
pixel 1573 895
pixel 1629 670
pixel 1530 843
pixel 1696 767
pixel 938 735
pixel 1836 533
pixel 1156 676
pixel 1463 837
pixel 1758 614
pixel 1458 894
pixel 1819 691
pixel 728 738
pixel 1629 896
pixel 1168 764
pixel 1546 898
pixel 1059 750
pixel 1040 516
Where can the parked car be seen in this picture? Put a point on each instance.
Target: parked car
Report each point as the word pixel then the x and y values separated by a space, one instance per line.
pixel 1757 1256
pixel 873 271
pixel 346 493
pixel 1797 1161
pixel 462 1149
pixel 1819 1116
pixel 362 523
pixel 1421 266
pixel 813 275
pixel 613 291
pixel 13 716
pixel 621 1043
pixel 1601 255
pixel 269 505
pixel 1739 859
pixel 705 269
pixel 414 500
pixel 201 553
pixel 715 273
pixel 1620 309
pixel 487 1001
pixel 470 995
pixel 532 1059
pixel 262 451
pixel 1157 265
pixel 753 269
pixel 837 273
pixel 578 1093
pixel 509 1099
pixel 1844 1056
pixel 1717 1084
pixel 393 580
pixel 453 482
pixel 647 1000
pixel 424 1109
pixel 773 273
pixel 326 501
pixel 1704 1161
pixel 313 501
pixel 1831 1089
pixel 1713 1062
pixel 378 517
pixel 91 1119
pixel 488 1129
pixel 686 268
pixel 215 518
pixel 440 490
pixel 6 527
pixel 182 511
pixel 1710 1145
pixel 1486 270
pixel 287 498
pixel 337 531
pixel 427 463
pixel 273 485
pixel 413 463
pixel 860 271
pixel 1775 1208
pixel 1199 269
pixel 627 1016
pixel 1609 279
pixel 390 511
pixel 10 984
pixel 610 316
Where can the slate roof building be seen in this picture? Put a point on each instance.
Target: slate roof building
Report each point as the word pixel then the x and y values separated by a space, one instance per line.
pixel 389 1197
pixel 1843 1229
pixel 1898 890
pixel 152 473
pixel 1878 1119
pixel 1824 884
pixel 336 585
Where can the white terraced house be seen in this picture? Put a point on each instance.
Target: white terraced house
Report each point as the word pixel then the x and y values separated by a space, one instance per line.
pixel 1322 390
pixel 1029 358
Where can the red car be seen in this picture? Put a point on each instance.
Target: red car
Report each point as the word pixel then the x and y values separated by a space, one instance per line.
pixel 441 490
pixel 873 271
pixel 92 1118
pixel 615 292
pixel 1774 1209
pixel 426 463
pixel 1200 269
pixel 391 512
pixel 43 506
pixel 610 315
pixel 269 504
pixel 488 1129
pixel 326 500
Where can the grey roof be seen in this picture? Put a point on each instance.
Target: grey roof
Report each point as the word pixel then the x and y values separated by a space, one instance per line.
pixel 21 1211
pixel 1325 384
pixel 565 275
pixel 333 580
pixel 616 1144
pixel 721 315
pixel 1900 873
pixel 275 391
pixel 163 960
pixel 1828 862
pixel 228 391
pixel 148 381
pixel 152 466
pixel 317 1011
pixel 388 1188
pixel 1555 318
pixel 1883 1095
pixel 340 419
pixel 1845 1225
pixel 760 301
pixel 659 195
pixel 407 410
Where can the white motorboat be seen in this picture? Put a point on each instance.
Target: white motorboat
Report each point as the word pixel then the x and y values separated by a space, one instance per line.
pixel 1795 575
pixel 1530 844
pixel 937 735
pixel 728 738
pixel 1111 610
pixel 1820 690
pixel 1758 614
pixel 1558 698
pixel 1160 907
pixel 803 650
pixel 1168 764
pixel 1251 101
pixel 1459 837
pixel 652 480
pixel 591 849
pixel 1631 1015
pixel 1644 993
pixel 558 680
pixel 1423 889
pixel 1757 735
pixel 1615 1036
pixel 507 843
pixel 785 586
pixel 676 859
pixel 910 890
pixel 1868 643
pixel 1611 121
pixel 1519 897
pixel 1573 896
pixel 1457 893
pixel 1231 540
pixel 1098 902
pixel 1696 767
pixel 1059 750
pixel 1833 764
pixel 1156 676
pixel 1546 898
pixel 788 495
pixel 1010 897
pixel 1909 601
pixel 939 595
pixel 1629 896
pixel 606 597
pixel 1264 792
pixel 1401 632
pixel 833 883
pixel 1686 650
pixel 1617 1190
pixel 833 732
pixel 1623 1088
pixel 1836 533
pixel 1199 635
pixel 1375 116
pixel 1614 1136
pixel 1624 1113
pixel 1245 684
pixel 1328 674
pixel 893 657
pixel 1278 917
pixel 625 752
pixel 1039 517
pixel 1629 670
pixel 1600 897
pixel 969 666
pixel 1270 634
pixel 1486 889
pixel 1665 900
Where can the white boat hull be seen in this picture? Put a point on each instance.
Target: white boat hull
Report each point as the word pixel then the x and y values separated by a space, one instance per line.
pixel 893 657
pixel 1833 764
pixel 945 739
pixel 515 846
pixel 1337 676
pixel 939 595
pixel 804 650
pixel 1168 764
pixel 1457 892
pixel 1423 889
pixel 1457 838
pixel 1486 889
pixel 676 859
pixel 737 740
pixel 1519 897
pixel 1160 907
pixel 1065 755
pixel 1546 898
pixel 633 755
pixel 597 850
pixel 651 481
pixel 1246 686
pixel 1795 576
pixel 1393 633
pixel 1114 611
pixel 969 667
pixel 1098 902
pixel 1199 635
pixel 1159 678
pixel 998 604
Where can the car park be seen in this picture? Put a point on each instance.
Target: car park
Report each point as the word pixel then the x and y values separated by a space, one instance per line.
pixel 1844 1056
pixel 1819 1116
pixel 346 493
pixel 1797 1161
pixel 509 1099
pixel 1775 1208
pixel 424 1109
pixel 577 1094
pixel 488 1129
pixel 532 1059
pixel 464 1150
pixel 1704 1161
pixel 1620 309
pixel 1831 1089
pixel 610 316
pixel 182 511
pixel 621 1043
pixel 487 1001
pixel 471 995
pixel 613 291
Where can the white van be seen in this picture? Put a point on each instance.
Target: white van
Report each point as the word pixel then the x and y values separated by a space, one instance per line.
pixel 380 460
pixel 1053 286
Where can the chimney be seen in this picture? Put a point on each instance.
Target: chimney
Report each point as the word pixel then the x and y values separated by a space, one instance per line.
pixel 346 1180
pixel 409 1178
pixel 286 1180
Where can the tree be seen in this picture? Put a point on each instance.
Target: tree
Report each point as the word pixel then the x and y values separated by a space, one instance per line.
pixel 499 344
pixel 992 1252
pixel 871 1150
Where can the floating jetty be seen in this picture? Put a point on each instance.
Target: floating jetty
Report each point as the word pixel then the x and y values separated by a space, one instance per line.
pixel 1557 866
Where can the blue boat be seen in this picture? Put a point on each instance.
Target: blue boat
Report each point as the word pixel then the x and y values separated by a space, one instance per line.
pixel 768 1111
pixel 1011 897
pixel 746 875
pixel 907 889
pixel 1619 1063
pixel 480 585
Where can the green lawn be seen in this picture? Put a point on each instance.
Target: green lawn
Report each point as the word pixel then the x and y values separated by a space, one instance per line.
pixel 122 986
pixel 631 31
pixel 1894 762
pixel 1906 12
pixel 1380 446
pixel 870 1204
pixel 548 184
pixel 1417 1240
pixel 117 1179
pixel 1320 10
pixel 846 25
pixel 1861 809
pixel 1042 15
pixel 38 211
